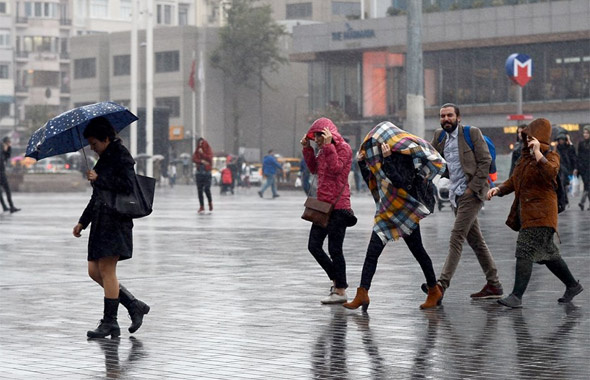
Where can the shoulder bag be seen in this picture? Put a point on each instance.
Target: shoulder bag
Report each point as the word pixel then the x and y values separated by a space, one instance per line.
pixel 318 212
pixel 138 203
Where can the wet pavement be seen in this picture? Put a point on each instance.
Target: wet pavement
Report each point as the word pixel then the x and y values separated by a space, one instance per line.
pixel 235 295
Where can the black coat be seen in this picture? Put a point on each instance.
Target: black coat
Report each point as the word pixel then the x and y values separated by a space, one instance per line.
pixel 584 162
pixel 399 169
pixel 110 234
pixel 4 157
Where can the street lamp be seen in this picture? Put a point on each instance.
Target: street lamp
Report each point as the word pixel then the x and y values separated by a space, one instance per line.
pixel 305 96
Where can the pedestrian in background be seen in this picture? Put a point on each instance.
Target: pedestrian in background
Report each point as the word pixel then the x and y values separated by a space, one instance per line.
pixel 304 174
pixel 567 160
pixel 516 149
pixel 331 165
pixel 270 167
pixel 203 158
pixel 4 185
pixel 111 235
pixel 534 213
pixel 583 163
pixel 397 166
pixel 468 175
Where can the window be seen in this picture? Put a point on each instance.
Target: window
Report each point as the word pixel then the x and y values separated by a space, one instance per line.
pixel 84 68
pixel 4 71
pixel 2 7
pixel 167 61
pixel 40 44
pixel 164 14
pixel 299 11
pixel 172 103
pixel 4 39
pixel 126 10
pixel 121 65
pixel 99 8
pixel 341 8
pixel 183 14
pixel 45 78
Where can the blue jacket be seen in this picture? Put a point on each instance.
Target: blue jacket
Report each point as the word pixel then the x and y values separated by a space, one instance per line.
pixel 270 165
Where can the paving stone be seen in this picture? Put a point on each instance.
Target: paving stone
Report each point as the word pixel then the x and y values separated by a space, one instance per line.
pixel 235 295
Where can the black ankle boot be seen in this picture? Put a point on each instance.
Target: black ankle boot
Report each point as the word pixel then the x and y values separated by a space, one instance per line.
pixel 137 309
pixel 108 324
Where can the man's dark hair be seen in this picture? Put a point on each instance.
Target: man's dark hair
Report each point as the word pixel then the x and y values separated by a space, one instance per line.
pixel 457 112
pixel 270 151
pixel 6 139
pixel 100 128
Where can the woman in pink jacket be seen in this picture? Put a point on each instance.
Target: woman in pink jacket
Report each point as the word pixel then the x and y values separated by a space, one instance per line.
pixel 331 166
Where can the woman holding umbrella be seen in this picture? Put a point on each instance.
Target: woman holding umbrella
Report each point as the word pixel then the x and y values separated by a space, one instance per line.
pixel 111 238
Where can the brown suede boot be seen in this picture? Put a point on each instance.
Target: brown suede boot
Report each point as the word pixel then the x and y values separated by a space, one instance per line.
pixel 435 295
pixel 361 299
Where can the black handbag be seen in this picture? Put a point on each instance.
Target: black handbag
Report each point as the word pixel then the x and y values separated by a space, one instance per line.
pixel 138 203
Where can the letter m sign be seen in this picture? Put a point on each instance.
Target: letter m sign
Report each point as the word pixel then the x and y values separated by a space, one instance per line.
pixel 519 68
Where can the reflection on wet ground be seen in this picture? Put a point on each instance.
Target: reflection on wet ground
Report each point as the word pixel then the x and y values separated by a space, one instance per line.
pixel 235 295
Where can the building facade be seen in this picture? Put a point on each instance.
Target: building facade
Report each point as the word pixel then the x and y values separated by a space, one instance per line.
pixel 358 66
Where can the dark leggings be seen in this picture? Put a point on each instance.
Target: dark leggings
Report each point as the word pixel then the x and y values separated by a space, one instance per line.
pixel 414 243
pixel 204 184
pixel 524 268
pixel 334 265
pixel 4 185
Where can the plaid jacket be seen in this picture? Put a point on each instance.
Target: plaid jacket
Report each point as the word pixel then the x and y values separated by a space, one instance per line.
pixel 398 213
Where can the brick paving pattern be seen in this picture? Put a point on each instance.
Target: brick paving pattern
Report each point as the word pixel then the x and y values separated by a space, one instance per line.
pixel 235 295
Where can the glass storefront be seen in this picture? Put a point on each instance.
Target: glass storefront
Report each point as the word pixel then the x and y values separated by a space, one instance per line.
pixel 368 84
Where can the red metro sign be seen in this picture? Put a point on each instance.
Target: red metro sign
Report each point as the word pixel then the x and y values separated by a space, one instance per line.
pixel 519 68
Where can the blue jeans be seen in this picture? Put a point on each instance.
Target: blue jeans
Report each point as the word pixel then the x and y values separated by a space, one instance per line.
pixel 270 182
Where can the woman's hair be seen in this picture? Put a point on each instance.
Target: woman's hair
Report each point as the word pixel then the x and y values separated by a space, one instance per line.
pixel 100 128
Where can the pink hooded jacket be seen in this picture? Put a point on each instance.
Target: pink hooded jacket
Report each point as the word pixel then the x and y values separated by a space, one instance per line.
pixel 332 165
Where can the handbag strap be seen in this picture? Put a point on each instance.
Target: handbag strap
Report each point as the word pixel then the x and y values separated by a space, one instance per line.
pixel 339 194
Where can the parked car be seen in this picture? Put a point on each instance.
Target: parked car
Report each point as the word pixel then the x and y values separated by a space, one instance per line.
pixel 51 165
pixel 254 173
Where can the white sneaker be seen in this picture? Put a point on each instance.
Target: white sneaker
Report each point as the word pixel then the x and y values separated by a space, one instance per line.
pixel 334 298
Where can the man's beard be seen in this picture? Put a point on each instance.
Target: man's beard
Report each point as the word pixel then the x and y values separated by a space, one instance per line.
pixel 449 127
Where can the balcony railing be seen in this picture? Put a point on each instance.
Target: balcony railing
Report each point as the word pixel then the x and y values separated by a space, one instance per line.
pixel 65 22
pixel 22 20
pixel 64 55
pixel 22 54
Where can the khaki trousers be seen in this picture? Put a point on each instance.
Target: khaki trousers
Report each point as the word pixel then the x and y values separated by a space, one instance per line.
pixel 466 227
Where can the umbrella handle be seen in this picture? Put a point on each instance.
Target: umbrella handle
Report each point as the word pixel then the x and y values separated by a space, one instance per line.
pixel 83 151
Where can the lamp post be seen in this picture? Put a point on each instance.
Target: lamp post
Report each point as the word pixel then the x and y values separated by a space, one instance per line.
pixel 305 96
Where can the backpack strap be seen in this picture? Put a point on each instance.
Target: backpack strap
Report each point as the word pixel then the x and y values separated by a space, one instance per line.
pixel 467 135
pixel 441 136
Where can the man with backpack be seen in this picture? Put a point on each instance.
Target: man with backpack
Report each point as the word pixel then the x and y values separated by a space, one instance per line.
pixel 469 164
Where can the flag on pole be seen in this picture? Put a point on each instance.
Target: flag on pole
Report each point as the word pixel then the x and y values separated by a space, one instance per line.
pixel 191 78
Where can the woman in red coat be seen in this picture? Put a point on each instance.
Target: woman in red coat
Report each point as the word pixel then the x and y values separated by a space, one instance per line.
pixel 203 158
pixel 331 165
pixel 534 213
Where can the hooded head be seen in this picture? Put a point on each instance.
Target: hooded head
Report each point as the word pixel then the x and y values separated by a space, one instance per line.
pixel 541 130
pixel 318 127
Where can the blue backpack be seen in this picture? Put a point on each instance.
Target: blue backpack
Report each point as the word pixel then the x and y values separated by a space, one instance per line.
pixel 493 174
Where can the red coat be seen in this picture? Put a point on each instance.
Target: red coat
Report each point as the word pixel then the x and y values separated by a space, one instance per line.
pixel 205 158
pixel 332 165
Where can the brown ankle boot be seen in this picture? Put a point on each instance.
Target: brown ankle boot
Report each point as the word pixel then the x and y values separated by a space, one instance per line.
pixel 361 299
pixel 435 295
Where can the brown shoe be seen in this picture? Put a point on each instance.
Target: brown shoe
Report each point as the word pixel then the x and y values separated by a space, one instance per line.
pixel 361 299
pixel 488 292
pixel 435 295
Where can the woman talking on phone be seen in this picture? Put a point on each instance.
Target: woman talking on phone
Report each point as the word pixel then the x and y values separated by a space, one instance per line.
pixel 331 165
pixel 534 213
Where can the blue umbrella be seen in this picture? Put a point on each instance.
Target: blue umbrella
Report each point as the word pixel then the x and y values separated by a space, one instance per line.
pixel 63 133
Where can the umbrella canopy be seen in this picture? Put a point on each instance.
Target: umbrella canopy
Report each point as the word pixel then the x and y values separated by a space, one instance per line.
pixel 63 133
pixel 142 156
pixel 157 157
